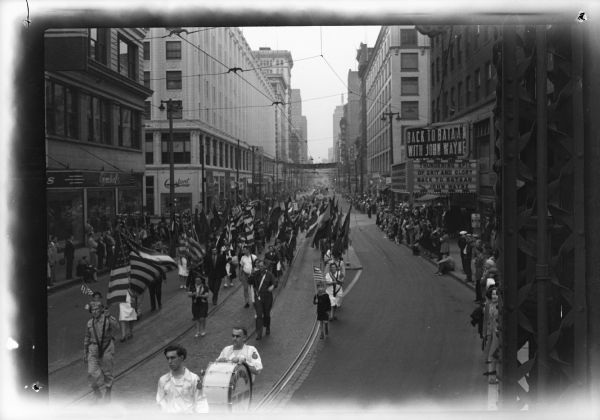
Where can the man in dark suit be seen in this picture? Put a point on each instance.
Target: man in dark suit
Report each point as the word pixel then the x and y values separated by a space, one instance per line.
pixel 214 266
pixel 465 254
pixel 262 283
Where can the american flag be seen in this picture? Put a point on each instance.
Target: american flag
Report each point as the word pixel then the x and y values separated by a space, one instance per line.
pixel 137 269
pixel 318 277
pixel 86 290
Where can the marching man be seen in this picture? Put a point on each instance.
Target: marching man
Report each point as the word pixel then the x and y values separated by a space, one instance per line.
pixel 240 352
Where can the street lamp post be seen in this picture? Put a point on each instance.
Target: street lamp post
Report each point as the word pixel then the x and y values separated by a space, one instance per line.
pixel 389 116
pixel 170 151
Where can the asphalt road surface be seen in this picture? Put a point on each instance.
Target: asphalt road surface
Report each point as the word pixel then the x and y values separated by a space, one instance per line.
pixel 403 337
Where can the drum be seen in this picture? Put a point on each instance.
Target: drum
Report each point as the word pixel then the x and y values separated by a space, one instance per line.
pixel 227 386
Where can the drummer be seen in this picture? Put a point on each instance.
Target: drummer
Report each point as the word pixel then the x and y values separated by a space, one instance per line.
pixel 241 352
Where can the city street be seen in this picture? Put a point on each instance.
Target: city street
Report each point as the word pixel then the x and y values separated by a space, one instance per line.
pixel 402 337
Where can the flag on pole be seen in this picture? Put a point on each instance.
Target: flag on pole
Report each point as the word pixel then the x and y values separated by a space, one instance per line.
pixel 318 277
pixel 119 273
pixel 86 290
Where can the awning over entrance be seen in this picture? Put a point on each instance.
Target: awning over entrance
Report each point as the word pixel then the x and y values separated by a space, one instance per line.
pixel 429 197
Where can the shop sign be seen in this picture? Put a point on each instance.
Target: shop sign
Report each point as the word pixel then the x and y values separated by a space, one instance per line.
pixel 180 182
pixel 108 178
pixel 446 176
pixel 92 179
pixel 437 142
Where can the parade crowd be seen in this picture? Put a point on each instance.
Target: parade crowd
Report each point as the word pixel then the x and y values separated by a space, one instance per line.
pixel 249 244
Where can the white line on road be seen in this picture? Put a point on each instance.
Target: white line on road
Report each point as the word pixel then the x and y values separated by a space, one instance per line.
pixel 354 280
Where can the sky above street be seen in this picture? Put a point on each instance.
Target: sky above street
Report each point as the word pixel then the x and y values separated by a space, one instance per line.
pixel 322 56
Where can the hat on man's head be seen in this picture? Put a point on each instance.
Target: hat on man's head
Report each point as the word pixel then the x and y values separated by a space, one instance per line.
pixel 462 232
pixel 489 283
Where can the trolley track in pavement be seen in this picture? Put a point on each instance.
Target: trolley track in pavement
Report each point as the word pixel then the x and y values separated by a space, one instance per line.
pixel 159 348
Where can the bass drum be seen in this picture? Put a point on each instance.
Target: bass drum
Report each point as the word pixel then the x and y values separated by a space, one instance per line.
pixel 227 386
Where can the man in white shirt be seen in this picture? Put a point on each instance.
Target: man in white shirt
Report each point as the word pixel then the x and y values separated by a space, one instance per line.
pixel 241 352
pixel 179 391
pixel 246 268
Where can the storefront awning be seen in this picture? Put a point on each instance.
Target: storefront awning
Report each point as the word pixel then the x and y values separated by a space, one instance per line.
pixel 429 197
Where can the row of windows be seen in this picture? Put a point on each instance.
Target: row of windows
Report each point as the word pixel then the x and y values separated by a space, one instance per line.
pixel 172 50
pixel 457 98
pixel 78 115
pixel 409 110
pixel 216 153
pixel 381 163
pixel 127 57
pixel 473 36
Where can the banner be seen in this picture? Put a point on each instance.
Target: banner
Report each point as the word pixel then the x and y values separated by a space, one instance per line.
pixel 437 142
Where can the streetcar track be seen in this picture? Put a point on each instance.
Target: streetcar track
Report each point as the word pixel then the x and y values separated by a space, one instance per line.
pixel 132 367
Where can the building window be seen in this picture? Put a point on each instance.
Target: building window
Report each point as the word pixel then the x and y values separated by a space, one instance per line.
pixel 409 62
pixel 98 44
pixel 127 62
pixel 173 50
pixel 409 86
pixel 207 150
pixel 126 128
pixel 452 108
pixel 221 154
pixel 173 80
pixel 62 110
pixel 459 96
pixel 149 148
pixel 214 152
pixel 181 148
pixel 409 110
pixel 150 194
pixel 146 51
pixel 147 110
pixel 408 37
pixel 477 84
pixel 147 79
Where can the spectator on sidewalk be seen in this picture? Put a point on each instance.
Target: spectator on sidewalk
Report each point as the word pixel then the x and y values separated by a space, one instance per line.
pixel 127 315
pixel 271 260
pixel 184 273
pixel 490 330
pixel 240 352
pixel 179 391
pixel 69 256
pixel 199 294
pixel 464 246
pixel 92 249
pixel 85 271
pixel 262 283
pixel 445 265
pixel 246 267
pixel 52 260
pixel 98 351
pixel 101 251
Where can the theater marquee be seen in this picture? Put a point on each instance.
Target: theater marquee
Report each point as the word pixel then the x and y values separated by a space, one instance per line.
pixel 449 141
pixel 445 176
